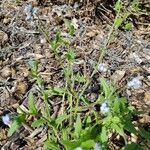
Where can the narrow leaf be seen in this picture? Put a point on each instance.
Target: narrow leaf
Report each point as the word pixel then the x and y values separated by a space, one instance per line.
pixel 13 128
pixel 132 146
pixel 104 136
pixel 105 87
pixel 78 126
pixel 50 145
pixel 61 118
pixel 31 104
pixel 16 124
pixel 38 123
pixel 118 22
pixel 145 134
pixel 88 144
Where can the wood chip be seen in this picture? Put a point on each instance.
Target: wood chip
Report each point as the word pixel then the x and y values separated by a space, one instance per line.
pixel 118 75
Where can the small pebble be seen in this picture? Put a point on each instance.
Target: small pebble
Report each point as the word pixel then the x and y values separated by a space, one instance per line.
pixel 43 40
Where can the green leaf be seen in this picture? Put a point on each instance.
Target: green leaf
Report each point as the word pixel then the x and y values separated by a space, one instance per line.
pixel 78 126
pixel 80 78
pixel 135 6
pixel 129 126
pixel 104 136
pixel 118 22
pixel 145 134
pixel 118 5
pixel 57 41
pixel 54 91
pixel 88 144
pixel 65 134
pixel 34 68
pixel 58 37
pixel 70 55
pixel 91 132
pixel 40 82
pixel 72 30
pixel 18 1
pixel 61 118
pixel 105 87
pixel 118 128
pixel 38 123
pixel 107 120
pixel 71 145
pixel 132 146
pixel 88 120
pixel 16 124
pixel 129 26
pixel 115 120
pixel 31 104
pixel 50 145
pixel 116 105
pixel 122 105
pixel 58 90
pixel 70 27
pixel 13 128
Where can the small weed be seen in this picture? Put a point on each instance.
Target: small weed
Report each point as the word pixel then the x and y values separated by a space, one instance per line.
pixel 124 12
pixel 79 125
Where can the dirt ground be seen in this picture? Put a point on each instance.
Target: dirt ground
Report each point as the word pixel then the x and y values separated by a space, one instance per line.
pixel 22 41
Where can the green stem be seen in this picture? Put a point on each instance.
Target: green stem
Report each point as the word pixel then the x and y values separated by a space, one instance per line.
pixel 103 51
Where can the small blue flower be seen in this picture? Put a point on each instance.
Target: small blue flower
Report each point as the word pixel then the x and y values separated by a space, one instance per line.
pixel 30 11
pixel 97 146
pixel 104 108
pixel 6 119
pixel 28 8
pixel 102 67
pixel 78 148
pixel 134 83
